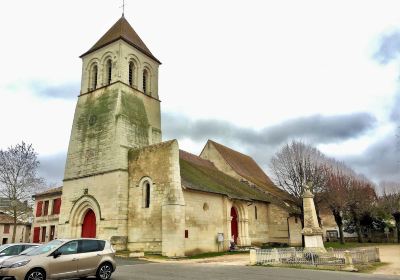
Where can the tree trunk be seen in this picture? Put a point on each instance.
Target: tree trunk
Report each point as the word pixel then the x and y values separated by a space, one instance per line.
pixel 339 222
pixel 14 225
pixel 358 230
pixel 396 217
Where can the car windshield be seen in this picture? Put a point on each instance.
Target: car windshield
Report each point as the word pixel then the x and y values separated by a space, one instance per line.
pixel 45 248
pixel 26 251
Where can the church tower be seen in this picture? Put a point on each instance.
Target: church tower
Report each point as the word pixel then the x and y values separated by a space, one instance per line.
pixel 118 109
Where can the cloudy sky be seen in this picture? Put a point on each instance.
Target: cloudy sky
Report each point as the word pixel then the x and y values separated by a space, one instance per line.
pixel 249 74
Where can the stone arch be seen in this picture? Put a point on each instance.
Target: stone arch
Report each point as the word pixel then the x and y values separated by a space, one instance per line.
pixel 146 81
pixel 243 222
pixel 104 69
pixel 88 72
pixel 93 76
pixel 79 211
pixel 146 185
pixel 136 66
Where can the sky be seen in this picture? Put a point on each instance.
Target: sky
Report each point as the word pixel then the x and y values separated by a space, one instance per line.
pixel 251 75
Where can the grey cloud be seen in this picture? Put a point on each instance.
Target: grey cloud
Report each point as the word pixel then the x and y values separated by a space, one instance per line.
pixel 52 168
pixel 395 114
pixel 316 129
pixel 389 48
pixel 381 161
pixel 262 145
pixel 64 91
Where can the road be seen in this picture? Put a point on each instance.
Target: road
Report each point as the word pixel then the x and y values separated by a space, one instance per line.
pixel 141 270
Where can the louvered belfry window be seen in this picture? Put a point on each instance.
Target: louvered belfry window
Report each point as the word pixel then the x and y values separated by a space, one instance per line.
pixel 131 73
pixel 109 71
pixel 145 81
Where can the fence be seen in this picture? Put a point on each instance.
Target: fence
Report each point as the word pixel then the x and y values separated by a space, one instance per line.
pixel 314 256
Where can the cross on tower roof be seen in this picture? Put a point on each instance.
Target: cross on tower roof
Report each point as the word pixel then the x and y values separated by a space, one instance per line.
pixel 123 7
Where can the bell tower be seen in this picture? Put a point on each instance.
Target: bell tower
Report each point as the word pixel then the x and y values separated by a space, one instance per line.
pixel 118 109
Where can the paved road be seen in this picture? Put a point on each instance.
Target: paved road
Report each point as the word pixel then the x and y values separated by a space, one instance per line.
pixel 166 271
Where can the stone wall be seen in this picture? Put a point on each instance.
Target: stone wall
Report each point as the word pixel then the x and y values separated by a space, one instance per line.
pixel 278 225
pixel 160 227
pixel 295 231
pixel 105 194
pixel 121 54
pixel 107 123
pixel 258 223
pixel 211 153
pixel 22 233
pixel 205 218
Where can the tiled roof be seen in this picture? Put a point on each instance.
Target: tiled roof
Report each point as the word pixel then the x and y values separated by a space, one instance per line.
pixel 49 192
pixel 246 167
pixel 200 174
pixel 124 31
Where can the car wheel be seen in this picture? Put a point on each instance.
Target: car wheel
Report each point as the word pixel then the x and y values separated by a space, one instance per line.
pixel 36 274
pixel 104 271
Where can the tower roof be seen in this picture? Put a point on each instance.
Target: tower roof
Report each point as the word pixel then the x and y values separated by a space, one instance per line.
pixel 124 31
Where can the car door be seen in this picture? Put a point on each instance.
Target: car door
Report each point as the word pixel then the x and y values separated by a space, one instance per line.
pixel 66 264
pixel 90 256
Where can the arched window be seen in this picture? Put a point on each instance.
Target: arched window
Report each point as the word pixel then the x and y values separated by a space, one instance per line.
pixel 131 73
pixel 147 195
pixel 108 71
pixel 146 81
pixel 93 77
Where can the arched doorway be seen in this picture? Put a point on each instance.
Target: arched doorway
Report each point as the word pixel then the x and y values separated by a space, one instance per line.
pixel 89 225
pixel 234 224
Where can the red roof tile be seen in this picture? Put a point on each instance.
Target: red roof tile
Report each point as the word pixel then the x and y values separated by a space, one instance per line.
pixel 124 31
pixel 246 167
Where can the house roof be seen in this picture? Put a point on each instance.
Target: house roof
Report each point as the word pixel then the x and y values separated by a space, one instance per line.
pixel 7 219
pixel 246 167
pixel 52 191
pixel 124 31
pixel 201 175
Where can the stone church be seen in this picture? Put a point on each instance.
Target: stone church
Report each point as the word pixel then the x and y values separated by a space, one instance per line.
pixel 123 183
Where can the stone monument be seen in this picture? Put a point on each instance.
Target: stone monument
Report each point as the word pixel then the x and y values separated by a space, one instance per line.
pixel 311 231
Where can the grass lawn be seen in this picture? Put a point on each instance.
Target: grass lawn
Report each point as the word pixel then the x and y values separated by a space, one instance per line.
pixel 337 245
pixel 214 254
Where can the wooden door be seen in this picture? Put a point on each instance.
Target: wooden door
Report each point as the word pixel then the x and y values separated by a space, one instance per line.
pixel 89 225
pixel 234 224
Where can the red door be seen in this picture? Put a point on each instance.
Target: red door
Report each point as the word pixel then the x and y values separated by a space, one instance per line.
pixel 89 225
pixel 36 234
pixel 234 224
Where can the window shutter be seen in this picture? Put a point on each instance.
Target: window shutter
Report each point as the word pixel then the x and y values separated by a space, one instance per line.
pixel 56 206
pixel 39 207
pixel 6 229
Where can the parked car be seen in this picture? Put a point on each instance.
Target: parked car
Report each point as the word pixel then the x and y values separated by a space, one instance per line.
pixel 26 251
pixel 13 249
pixel 62 258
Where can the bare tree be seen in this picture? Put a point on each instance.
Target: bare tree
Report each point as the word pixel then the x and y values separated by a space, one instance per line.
pixel 361 197
pixel 297 164
pixel 18 180
pixel 335 195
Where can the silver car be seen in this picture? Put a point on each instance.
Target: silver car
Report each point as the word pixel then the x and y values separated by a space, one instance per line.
pixel 13 249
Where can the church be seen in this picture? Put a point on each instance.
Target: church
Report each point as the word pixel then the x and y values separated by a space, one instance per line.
pixel 123 183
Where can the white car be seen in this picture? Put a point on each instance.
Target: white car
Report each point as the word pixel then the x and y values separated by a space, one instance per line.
pixel 13 249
